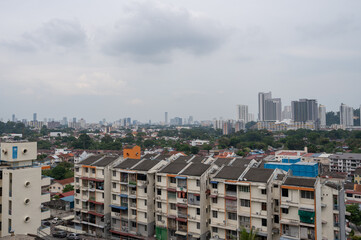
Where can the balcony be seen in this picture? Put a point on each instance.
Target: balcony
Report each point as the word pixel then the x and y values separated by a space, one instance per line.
pixel 336 207
pixel 182 200
pixel 45 181
pixel 182 228
pixel 45 197
pixel 45 213
pixel 182 215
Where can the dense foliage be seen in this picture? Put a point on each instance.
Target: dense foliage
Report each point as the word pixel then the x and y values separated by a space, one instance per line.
pixel 62 171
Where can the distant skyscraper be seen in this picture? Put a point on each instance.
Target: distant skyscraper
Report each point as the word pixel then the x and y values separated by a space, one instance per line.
pixel 166 117
pixel 190 120
pixel 346 115
pixel 250 117
pixel 305 110
pixel 242 113
pixel 262 97
pixel 35 117
pixel 74 119
pixel 273 109
pixel 287 113
pixel 13 118
pixel 322 115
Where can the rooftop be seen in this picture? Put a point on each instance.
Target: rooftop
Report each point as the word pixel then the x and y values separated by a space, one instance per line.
pixel 240 162
pixel 174 167
pixel 231 173
pixel 127 163
pixel 258 174
pixel 91 159
pixel 223 161
pixel 146 165
pixel 105 161
pixel 65 181
pixel 357 171
pixel 300 181
pixel 346 156
pixel 196 169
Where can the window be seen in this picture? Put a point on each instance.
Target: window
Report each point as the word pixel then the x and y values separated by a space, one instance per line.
pixel 145 228
pixel 93 170
pixel 77 201
pixel 215 214
pixel 173 206
pixel 276 219
pixel 198 211
pixel 198 183
pixel 214 229
pixel 134 212
pixel 172 180
pixel 264 206
pixel 284 192
pixel 114 197
pixel 103 172
pixel 232 216
pixel 198 198
pixel 245 203
pixel 159 217
pixel 159 178
pixel 214 200
pixel 264 222
pixel 159 204
pixel 244 219
pixel 159 192
pixel 134 224
pixel 114 221
pixel 145 202
pixel 284 210
pixel 244 188
pixel 145 215
pixel 145 190
pixel 114 185
pixel 198 225
pixel 86 170
pixel 114 173
pixel 103 195
pixel 214 185
pixel 77 169
pixel 307 194
pixel 276 202
pixel 264 191
pixel 77 179
pixel 275 186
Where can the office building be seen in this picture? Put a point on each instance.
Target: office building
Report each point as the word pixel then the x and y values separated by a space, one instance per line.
pixel 93 195
pixel 346 115
pixel 166 118
pixel 287 112
pixel 13 119
pixel 305 110
pixel 273 109
pixel 35 118
pixel 227 127
pixel 239 125
pixel 322 115
pixel 250 117
pixel 23 191
pixel 262 97
pixel 242 113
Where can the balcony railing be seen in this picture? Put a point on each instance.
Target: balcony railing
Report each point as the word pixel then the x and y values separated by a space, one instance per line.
pixel 182 228
pixel 231 193
pixel 335 207
pixel 182 215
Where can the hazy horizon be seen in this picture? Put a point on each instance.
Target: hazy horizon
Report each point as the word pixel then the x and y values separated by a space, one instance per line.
pixel 139 59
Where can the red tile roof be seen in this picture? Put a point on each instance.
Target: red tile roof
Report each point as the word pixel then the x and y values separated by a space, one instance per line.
pixel 288 153
pixel 70 193
pixel 65 181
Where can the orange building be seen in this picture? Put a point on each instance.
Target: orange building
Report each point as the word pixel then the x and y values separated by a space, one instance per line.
pixel 132 152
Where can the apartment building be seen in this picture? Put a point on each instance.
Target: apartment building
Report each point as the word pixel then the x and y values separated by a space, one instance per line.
pixel 132 202
pixel 311 209
pixel 182 203
pixel 345 162
pixel 93 194
pixel 241 198
pixel 22 190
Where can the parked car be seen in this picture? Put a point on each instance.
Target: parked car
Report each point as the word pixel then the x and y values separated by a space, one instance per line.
pixel 73 236
pixel 45 223
pixel 55 220
pixel 60 234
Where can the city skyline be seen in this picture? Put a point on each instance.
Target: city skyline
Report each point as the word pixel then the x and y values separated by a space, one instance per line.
pixel 57 61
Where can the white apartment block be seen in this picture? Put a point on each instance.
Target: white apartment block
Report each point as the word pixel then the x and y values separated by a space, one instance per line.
pixel 345 162
pixel 197 198
pixel 93 195
pixel 23 191
pixel 132 202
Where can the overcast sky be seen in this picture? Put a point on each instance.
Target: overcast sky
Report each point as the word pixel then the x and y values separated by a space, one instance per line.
pixel 113 59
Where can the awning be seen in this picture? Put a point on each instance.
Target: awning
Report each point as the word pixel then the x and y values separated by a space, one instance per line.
pixel 181 233
pixel 96 214
pixel 261 187
pixel 213 196
pixel 123 195
pixel 179 177
pixel 181 219
pixel 118 207
pixel 182 205
pixel 214 182
pixel 171 190
pixel 285 206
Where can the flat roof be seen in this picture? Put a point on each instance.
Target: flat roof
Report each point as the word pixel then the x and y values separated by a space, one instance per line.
pixel 258 174
pixel 146 165
pixel 196 169
pixel 346 156
pixel 105 161
pixel 174 167
pixel 300 181
pixel 230 172
pixel 90 160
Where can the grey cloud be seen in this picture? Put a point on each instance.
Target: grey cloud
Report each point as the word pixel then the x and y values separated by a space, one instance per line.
pixel 149 32
pixel 56 33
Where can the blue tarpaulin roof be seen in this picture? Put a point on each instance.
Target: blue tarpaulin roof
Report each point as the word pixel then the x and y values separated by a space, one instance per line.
pixel 179 177
pixel 118 207
pixel 68 198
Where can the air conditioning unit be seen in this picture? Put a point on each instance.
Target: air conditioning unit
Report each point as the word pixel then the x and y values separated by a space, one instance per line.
pixel 215 191
pixel 184 200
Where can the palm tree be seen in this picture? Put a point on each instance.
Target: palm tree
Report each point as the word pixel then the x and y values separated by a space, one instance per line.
pixel 251 235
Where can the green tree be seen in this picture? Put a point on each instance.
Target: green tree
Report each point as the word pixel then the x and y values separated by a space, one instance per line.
pixel 245 235
pixel 355 211
pixel 194 149
pixel 68 188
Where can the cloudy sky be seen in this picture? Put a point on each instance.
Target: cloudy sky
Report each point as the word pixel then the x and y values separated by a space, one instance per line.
pixel 113 59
